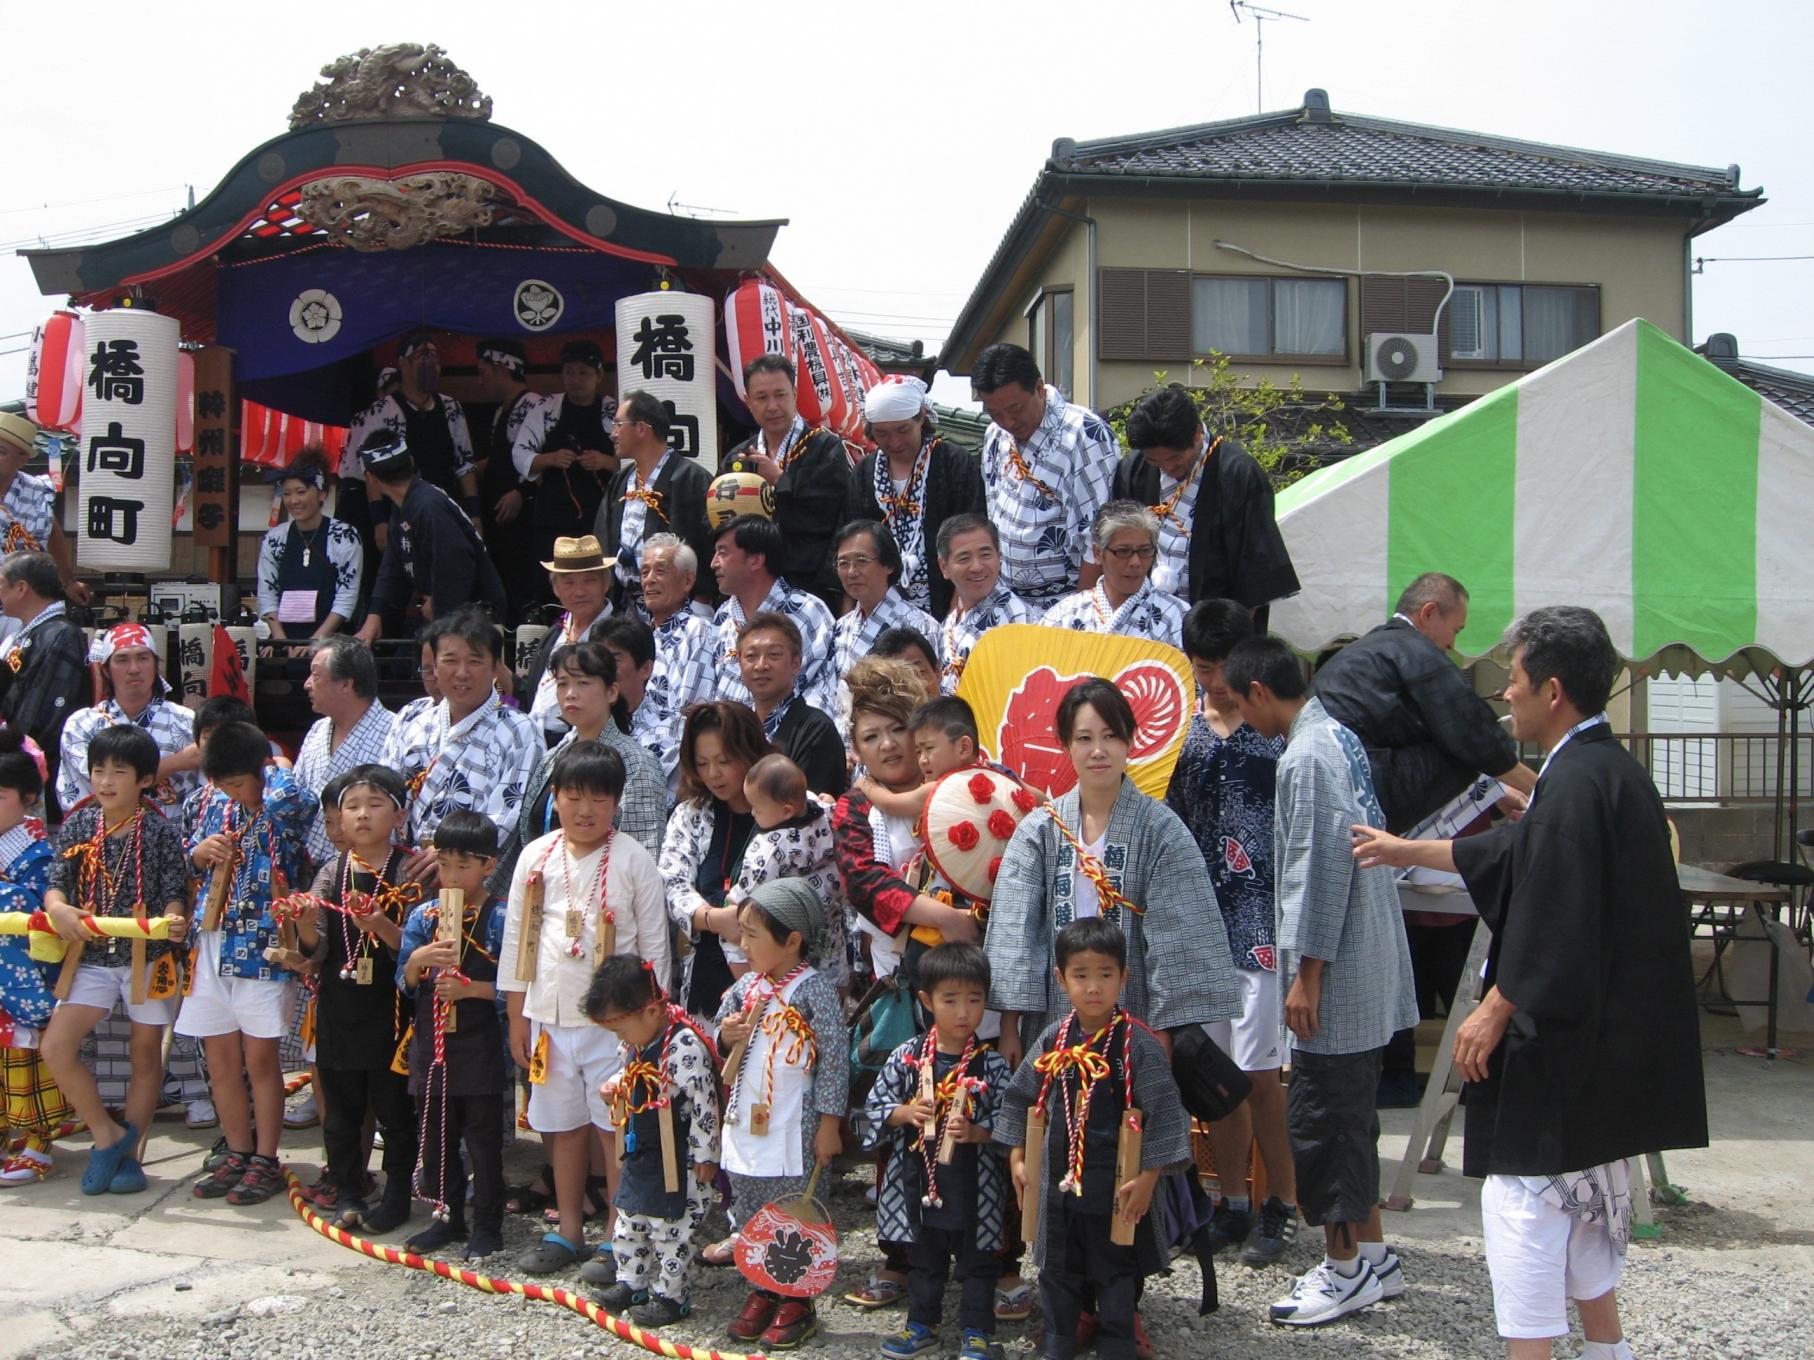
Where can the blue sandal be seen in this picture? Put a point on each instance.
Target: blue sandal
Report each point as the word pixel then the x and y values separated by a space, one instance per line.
pixel 104 1163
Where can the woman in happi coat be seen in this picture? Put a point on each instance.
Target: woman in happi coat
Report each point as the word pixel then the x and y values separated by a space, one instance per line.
pixel 1105 848
pixel 310 568
pixel 913 483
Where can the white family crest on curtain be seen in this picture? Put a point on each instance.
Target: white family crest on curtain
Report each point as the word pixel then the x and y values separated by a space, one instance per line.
pixel 667 347
pixel 128 452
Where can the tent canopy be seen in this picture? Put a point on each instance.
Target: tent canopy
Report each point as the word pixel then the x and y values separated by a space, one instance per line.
pixel 1632 477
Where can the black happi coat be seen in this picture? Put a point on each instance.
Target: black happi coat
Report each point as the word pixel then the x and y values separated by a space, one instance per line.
pixel 1236 549
pixel 808 500
pixel 1590 941
pixel 954 486
pixel 682 486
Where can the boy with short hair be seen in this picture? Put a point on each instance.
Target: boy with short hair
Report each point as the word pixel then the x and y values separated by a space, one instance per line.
pixel 670 1072
pixel 792 840
pixel 253 829
pixel 116 857
pixel 1222 789
pixel 456 1070
pixel 1102 1063
pixel 945 1191
pixel 1341 939
pixel 582 894
pixel 353 925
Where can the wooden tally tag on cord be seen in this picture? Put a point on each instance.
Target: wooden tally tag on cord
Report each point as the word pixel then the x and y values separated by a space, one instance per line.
pixel 1034 1159
pixel 928 1092
pixel 1127 1166
pixel 529 938
pixel 960 1108
pixel 218 888
pixel 449 927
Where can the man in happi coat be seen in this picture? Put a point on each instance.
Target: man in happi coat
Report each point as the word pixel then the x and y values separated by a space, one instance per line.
pixel 1585 1050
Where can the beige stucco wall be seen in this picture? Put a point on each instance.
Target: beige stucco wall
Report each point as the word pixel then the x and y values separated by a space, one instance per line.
pixel 1636 262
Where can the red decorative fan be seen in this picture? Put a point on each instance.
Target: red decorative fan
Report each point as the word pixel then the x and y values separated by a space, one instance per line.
pixel 1156 697
pixel 790 1247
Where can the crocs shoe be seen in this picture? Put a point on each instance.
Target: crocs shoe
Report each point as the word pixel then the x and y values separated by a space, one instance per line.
pixel 620 1296
pixel 660 1311
pixel 129 1179
pixel 97 1177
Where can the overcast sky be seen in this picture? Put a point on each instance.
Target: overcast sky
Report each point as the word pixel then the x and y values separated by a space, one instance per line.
pixel 900 139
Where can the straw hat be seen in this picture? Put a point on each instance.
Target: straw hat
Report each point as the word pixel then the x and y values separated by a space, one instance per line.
pixel 970 818
pixel 18 430
pixel 579 554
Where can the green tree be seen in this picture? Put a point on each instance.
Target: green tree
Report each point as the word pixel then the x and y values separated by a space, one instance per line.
pixel 1287 431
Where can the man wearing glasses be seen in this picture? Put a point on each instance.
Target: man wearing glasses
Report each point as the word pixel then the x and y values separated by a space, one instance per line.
pixel 1125 535
pixel 656 491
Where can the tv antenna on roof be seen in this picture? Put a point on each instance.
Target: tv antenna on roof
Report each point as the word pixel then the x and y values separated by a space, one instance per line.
pixel 1261 16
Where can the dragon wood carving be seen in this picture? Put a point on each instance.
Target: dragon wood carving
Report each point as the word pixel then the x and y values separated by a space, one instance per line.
pixel 401 80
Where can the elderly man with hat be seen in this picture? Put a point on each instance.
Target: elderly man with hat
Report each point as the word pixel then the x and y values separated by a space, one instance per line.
pixel 28 520
pixel 913 483
pixel 581 576
pixel 656 491
pixel 434 551
pixel 310 569
pixel 565 448
pixel 809 470
pixel 506 497
pixel 136 692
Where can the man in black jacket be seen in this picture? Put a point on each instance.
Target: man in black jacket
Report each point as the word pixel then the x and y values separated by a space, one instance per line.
pixel 656 491
pixel 1217 535
pixel 433 550
pixel 1428 738
pixel 809 470
pixel 768 654
pixel 46 676
pixel 1585 1050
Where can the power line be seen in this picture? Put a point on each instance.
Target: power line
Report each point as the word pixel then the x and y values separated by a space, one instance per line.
pixel 86 202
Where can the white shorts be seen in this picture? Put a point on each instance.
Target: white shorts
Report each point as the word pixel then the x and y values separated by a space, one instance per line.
pixel 101 987
pixel 581 1058
pixel 259 1008
pixel 1255 1038
pixel 1539 1258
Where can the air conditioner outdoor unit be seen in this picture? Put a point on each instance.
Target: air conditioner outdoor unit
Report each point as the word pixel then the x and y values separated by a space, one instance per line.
pixel 1402 359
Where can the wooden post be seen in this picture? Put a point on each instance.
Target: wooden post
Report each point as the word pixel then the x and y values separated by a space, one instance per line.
pixel 216 462
pixel 450 926
pixel 1127 1166
pixel 72 960
pixel 529 939
pixel 1035 1161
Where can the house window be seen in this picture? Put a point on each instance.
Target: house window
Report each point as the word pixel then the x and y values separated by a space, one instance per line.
pixel 1255 316
pixel 1524 325
pixel 1052 338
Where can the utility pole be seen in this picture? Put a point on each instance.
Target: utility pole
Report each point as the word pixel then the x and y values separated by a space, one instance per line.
pixel 1261 16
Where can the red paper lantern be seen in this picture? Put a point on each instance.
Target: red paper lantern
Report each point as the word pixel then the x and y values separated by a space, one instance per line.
pixel 185 402
pixel 53 381
pixel 755 322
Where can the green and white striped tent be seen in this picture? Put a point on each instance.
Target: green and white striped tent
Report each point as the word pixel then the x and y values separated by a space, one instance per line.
pixel 1631 476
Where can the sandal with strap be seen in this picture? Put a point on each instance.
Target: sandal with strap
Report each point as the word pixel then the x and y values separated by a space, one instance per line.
pixel 26 1167
pixel 720 1254
pixel 1014 1305
pixel 878 1292
pixel 530 1198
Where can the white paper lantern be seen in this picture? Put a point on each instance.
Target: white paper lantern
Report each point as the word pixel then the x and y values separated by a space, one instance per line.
pixel 128 454
pixel 667 346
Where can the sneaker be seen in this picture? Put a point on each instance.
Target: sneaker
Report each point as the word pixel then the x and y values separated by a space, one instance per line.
pixel 1325 1294
pixel 320 1193
pixel 216 1154
pixel 912 1339
pixel 1273 1235
pixel 795 1323
pixel 758 1311
pixel 1228 1226
pixel 263 1177
pixel 302 1112
pixel 200 1115
pixel 979 1346
pixel 222 1177
pixel 620 1296
pixel 659 1311
pixel 1391 1273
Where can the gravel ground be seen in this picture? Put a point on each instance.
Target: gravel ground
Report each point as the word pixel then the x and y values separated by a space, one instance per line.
pixel 1680 1299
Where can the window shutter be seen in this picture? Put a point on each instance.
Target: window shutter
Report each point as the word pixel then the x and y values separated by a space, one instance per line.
pixel 1145 314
